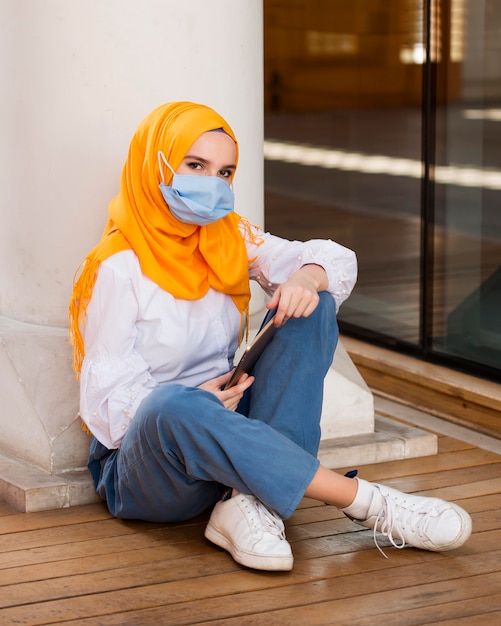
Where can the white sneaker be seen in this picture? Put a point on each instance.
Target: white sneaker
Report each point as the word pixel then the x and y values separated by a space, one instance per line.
pixel 253 535
pixel 426 523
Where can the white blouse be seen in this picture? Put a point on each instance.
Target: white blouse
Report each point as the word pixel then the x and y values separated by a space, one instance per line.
pixel 137 335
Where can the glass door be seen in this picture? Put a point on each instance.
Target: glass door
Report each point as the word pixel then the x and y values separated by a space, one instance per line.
pixel 381 132
pixel 466 312
pixel 343 128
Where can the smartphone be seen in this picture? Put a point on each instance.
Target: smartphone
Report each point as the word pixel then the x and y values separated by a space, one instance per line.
pixel 252 352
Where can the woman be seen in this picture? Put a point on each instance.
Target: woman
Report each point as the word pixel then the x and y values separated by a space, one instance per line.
pixel 156 316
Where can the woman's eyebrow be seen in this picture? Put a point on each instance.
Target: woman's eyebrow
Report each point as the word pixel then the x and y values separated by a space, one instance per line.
pixel 196 158
pixel 206 161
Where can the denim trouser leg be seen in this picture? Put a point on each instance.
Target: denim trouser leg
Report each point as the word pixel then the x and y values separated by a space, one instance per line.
pixel 288 391
pixel 183 446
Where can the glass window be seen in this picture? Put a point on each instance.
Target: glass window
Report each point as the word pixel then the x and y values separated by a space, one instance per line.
pixel 343 144
pixel 467 232
pixel 382 121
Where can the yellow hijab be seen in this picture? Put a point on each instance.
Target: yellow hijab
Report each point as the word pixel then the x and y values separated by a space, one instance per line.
pixel 183 259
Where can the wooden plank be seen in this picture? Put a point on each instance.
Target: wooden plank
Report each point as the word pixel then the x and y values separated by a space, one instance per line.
pixel 456 493
pixel 484 619
pixel 482 503
pixel 448 444
pixel 6 509
pixel 56 517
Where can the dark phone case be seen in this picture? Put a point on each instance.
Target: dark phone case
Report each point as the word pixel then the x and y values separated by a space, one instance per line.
pixel 252 353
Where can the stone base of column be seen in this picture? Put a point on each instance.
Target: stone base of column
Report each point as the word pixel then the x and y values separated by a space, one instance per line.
pixel 38 419
pixel 352 433
pixel 390 441
pixel 28 488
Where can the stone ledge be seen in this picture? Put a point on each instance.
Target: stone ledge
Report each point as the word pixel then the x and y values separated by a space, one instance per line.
pixel 30 489
pixel 391 441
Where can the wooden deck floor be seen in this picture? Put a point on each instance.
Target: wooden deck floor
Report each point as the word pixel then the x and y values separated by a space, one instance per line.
pixel 81 566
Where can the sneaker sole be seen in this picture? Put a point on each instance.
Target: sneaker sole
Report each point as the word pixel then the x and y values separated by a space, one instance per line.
pixel 271 563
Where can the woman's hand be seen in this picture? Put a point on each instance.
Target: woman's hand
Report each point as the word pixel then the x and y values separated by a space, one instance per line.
pixel 298 296
pixel 229 397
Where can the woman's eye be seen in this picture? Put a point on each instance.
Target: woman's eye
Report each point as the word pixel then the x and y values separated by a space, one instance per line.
pixel 225 173
pixel 195 166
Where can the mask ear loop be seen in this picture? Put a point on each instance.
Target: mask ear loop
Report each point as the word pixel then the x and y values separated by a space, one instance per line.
pixel 161 157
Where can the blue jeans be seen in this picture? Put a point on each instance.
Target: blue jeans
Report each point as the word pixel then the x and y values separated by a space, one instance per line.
pixel 183 447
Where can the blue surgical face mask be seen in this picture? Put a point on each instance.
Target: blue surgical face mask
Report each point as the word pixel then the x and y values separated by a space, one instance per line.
pixel 196 199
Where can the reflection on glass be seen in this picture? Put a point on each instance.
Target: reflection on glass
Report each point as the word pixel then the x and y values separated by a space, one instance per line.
pixel 467 293
pixel 343 144
pixel 344 129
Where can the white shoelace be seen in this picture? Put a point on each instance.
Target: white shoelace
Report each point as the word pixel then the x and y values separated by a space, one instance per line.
pixel 395 514
pixel 266 518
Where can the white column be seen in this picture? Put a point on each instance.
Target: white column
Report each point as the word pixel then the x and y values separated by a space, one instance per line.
pixel 76 78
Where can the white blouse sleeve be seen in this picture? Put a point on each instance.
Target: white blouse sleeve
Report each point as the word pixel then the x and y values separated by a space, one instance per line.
pixel 272 260
pixel 114 377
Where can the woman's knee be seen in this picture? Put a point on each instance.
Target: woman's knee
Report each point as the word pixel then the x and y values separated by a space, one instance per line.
pixel 323 319
pixel 326 306
pixel 169 397
pixel 171 406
